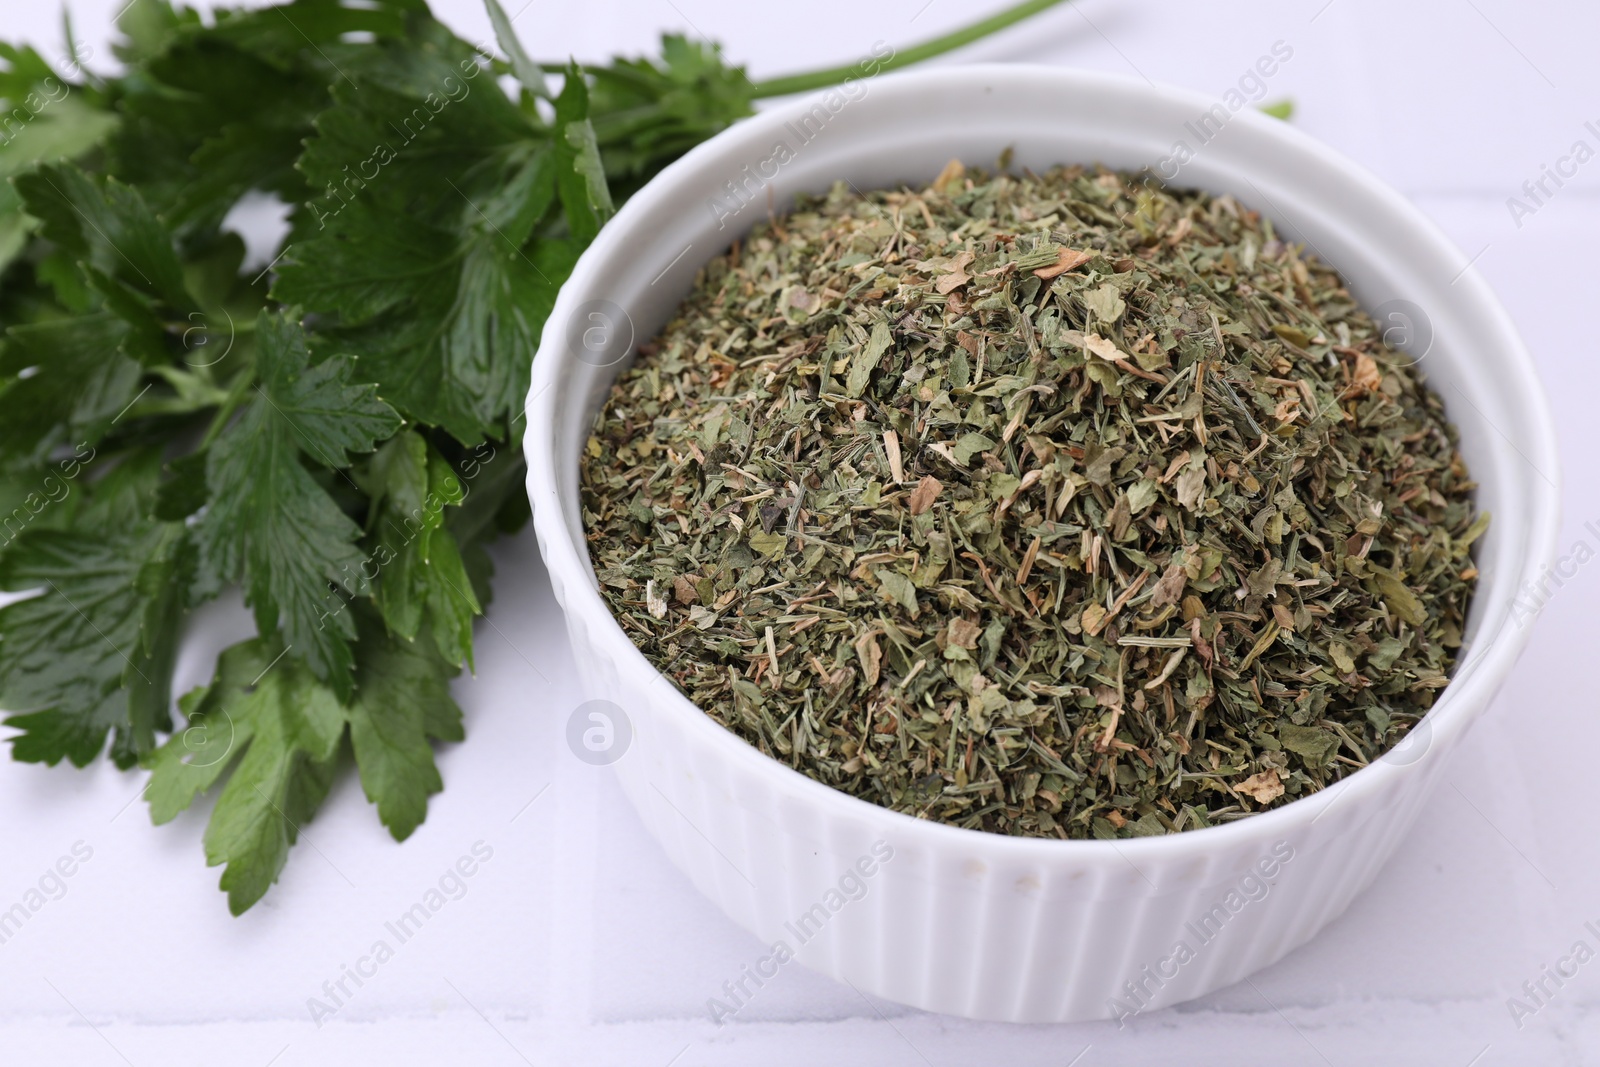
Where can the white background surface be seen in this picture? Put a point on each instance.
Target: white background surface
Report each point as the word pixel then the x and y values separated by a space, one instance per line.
pixel 577 943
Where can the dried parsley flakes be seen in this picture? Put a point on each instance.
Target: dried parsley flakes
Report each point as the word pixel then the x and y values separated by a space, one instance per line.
pixel 1062 505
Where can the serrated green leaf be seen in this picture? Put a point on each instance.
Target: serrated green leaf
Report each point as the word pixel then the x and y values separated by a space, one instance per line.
pixel 402 704
pixel 184 492
pixel 59 126
pixel 266 719
pixel 218 110
pixel 22 71
pixel 108 225
pixel 429 258
pixel 419 564
pixel 397 477
pixel 648 112
pixel 268 519
pixel 69 382
pixel 147 26
pixel 270 721
pixel 208 734
pixel 527 71
pixel 581 177
pixel 459 355
pixel 452 602
pixel 115 262
pixel 92 651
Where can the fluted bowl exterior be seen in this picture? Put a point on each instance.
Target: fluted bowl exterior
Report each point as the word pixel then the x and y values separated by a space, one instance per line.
pixel 975 924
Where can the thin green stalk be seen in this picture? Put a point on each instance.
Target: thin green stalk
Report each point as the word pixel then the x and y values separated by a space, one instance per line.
pixel 820 79
pixel 235 396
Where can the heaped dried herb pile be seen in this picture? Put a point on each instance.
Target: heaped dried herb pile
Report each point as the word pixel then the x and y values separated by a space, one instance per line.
pixel 1060 505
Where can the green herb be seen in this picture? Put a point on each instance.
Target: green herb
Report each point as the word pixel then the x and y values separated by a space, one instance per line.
pixel 335 433
pixel 1063 505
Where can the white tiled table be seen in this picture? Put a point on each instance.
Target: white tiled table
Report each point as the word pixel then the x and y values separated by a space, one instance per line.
pixel 576 942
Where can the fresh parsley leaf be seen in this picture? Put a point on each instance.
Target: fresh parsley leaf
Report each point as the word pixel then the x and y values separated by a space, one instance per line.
pixel 45 121
pixel 269 720
pixel 419 565
pixel 648 112
pixel 110 228
pixel 268 520
pixel 23 71
pixel 71 378
pixel 222 109
pixel 402 703
pixel 112 305
pixel 427 249
pixel 147 26
pixel 496 502
pixel 529 73
pixel 580 176
pixel 62 381
pixel 92 651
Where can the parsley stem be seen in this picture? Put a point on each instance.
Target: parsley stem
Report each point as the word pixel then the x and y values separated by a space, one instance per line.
pixel 241 385
pixel 821 79
pixel 818 79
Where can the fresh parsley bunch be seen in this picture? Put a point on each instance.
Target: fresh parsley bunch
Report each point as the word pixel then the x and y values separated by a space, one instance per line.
pixel 336 434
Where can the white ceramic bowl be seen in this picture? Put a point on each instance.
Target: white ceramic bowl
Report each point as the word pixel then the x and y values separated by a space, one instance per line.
pixel 960 921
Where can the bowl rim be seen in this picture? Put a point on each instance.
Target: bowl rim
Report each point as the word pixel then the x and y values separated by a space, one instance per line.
pixel 1472 684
